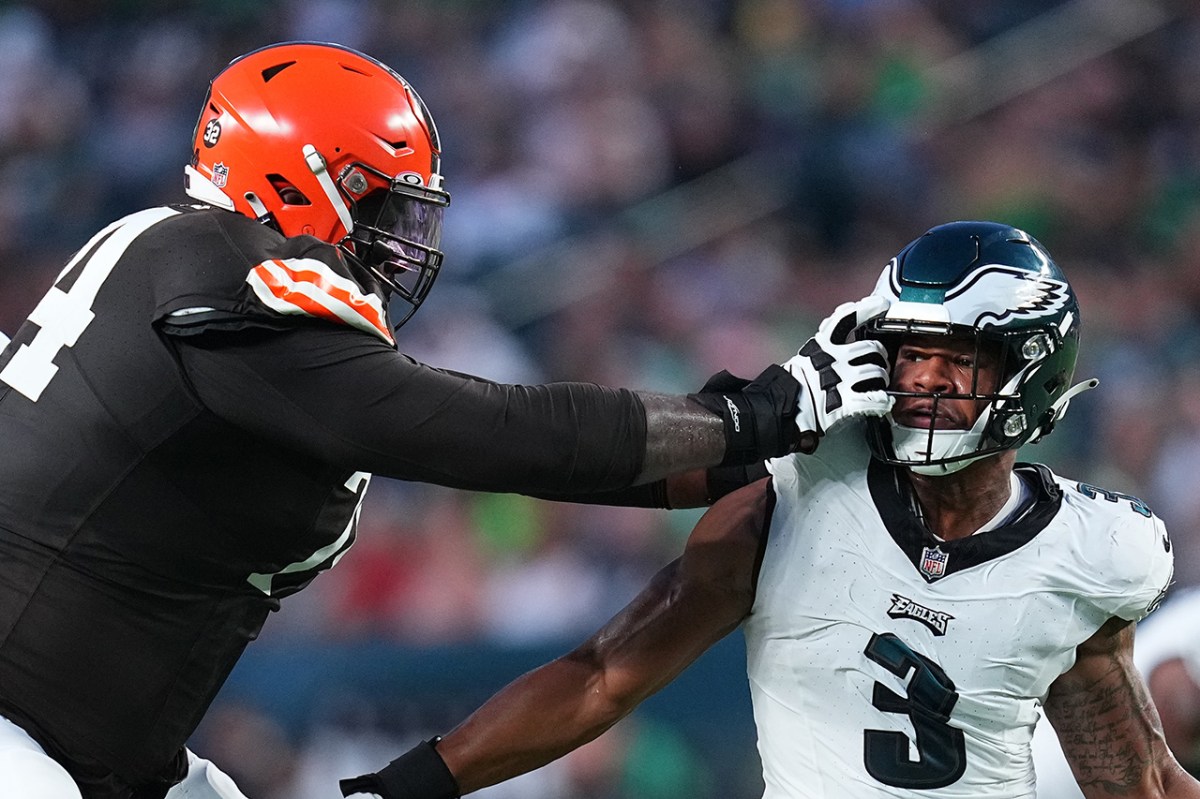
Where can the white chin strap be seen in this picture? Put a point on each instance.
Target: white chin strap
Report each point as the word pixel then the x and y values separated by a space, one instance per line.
pixel 915 445
pixel 320 169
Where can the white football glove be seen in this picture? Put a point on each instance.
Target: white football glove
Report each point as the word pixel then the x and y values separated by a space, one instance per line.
pixel 842 379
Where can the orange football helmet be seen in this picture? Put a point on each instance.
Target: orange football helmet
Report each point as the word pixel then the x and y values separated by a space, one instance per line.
pixel 318 139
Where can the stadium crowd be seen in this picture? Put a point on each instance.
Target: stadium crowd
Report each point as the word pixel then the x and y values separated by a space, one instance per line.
pixel 645 192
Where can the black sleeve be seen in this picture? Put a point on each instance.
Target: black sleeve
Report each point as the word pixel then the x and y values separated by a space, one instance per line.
pixel 349 399
pixel 646 495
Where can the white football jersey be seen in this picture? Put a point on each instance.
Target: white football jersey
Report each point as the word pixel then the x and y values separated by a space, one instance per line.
pixel 884 663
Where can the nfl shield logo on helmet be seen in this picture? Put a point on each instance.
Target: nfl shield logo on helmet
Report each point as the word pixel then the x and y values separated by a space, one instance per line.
pixel 220 174
pixel 933 562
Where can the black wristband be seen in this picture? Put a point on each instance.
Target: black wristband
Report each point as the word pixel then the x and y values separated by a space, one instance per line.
pixel 759 414
pixel 419 773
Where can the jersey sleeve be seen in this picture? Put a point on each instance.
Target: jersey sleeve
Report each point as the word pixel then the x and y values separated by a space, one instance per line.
pixel 1136 568
pixel 213 270
pixel 352 400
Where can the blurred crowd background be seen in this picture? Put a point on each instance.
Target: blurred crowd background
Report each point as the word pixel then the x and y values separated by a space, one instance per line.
pixel 644 192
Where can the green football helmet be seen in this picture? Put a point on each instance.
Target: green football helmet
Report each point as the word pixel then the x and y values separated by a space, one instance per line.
pixel 999 285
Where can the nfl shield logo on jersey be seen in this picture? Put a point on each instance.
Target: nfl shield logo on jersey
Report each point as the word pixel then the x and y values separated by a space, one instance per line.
pixel 933 562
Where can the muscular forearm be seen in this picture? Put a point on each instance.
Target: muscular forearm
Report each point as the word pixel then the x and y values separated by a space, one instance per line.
pixel 536 719
pixel 568 702
pixel 1108 726
pixel 555 709
pixel 680 435
pixel 688 606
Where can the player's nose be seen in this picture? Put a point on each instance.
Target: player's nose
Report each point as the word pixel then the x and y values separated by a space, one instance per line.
pixel 931 375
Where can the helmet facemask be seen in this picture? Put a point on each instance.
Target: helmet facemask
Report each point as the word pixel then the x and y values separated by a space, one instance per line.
pixel 396 234
pixel 1002 421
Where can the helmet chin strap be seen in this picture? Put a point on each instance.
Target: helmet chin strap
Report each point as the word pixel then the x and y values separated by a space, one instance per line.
pixel 1059 408
pixel 916 444
pixel 316 163
pixel 943 469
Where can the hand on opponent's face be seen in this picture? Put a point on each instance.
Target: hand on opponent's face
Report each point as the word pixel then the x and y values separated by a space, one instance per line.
pixel 842 378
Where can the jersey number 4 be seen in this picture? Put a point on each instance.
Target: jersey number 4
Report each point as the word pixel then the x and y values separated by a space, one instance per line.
pixel 63 315
pixel 941 749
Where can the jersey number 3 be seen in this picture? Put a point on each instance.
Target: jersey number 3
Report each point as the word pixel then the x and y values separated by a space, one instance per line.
pixel 941 749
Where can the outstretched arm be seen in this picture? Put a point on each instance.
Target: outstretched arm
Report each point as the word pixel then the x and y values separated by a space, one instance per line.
pixel 1108 726
pixel 688 606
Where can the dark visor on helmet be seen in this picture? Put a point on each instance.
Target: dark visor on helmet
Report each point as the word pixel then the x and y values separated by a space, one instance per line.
pixel 396 235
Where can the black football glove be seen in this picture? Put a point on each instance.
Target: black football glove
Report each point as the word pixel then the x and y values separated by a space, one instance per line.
pixel 759 414
pixel 419 773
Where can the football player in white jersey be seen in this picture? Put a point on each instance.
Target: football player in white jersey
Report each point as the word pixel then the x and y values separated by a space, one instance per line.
pixel 910 594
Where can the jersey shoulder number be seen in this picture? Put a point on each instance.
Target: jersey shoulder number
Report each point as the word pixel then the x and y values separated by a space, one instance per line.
pixel 65 311
pixel 1128 553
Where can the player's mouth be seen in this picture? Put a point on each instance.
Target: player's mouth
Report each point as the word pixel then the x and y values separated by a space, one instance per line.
pixel 922 415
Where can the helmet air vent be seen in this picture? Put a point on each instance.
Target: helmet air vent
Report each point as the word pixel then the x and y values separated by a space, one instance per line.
pixel 271 72
pixel 287 191
pixel 396 146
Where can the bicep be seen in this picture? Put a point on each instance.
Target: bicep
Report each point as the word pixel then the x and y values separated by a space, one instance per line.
pixel 1105 720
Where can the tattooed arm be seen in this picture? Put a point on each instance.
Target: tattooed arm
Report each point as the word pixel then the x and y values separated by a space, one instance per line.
pixel 1109 728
